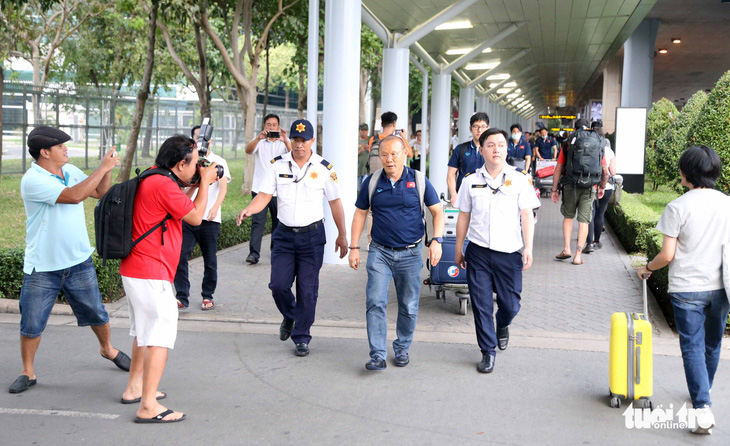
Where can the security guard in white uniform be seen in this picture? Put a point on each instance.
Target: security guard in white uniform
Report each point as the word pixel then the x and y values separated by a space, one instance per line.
pixel 495 204
pixel 300 179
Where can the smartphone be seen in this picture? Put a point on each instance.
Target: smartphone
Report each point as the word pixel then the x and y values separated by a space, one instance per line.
pixel 273 134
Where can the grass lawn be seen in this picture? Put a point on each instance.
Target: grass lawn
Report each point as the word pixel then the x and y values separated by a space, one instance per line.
pixel 12 212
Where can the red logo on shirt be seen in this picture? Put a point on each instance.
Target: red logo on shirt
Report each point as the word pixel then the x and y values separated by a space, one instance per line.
pixel 410 184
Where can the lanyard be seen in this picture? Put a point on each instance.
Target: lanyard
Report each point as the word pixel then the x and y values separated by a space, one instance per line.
pixel 302 177
pixel 494 191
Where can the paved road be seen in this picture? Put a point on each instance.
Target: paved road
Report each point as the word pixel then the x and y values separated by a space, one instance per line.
pixel 242 388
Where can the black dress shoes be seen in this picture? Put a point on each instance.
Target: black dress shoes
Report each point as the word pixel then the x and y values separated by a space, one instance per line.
pixel 301 349
pixel 487 364
pixel 502 338
pixel 285 329
pixel 252 259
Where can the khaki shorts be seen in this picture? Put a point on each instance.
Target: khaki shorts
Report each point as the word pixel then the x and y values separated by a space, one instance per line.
pixel 578 200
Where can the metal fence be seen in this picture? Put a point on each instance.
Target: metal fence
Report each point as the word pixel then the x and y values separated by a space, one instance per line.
pixel 98 119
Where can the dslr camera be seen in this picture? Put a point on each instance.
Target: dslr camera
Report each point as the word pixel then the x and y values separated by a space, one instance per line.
pixel 204 135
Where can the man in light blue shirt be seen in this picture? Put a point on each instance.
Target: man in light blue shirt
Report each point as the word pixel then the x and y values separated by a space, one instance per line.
pixel 58 252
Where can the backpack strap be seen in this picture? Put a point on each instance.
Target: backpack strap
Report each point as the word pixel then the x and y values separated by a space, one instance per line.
pixel 148 173
pixel 372 185
pixel 421 188
pixel 462 153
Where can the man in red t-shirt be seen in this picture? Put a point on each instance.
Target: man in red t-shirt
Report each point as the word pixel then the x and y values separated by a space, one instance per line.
pixel 149 271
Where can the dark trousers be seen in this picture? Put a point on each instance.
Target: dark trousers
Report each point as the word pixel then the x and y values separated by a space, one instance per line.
pixel 297 255
pixel 595 227
pixel 258 225
pixel 206 235
pixel 490 271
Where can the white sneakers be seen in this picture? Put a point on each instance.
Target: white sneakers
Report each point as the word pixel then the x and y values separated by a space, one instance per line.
pixel 705 421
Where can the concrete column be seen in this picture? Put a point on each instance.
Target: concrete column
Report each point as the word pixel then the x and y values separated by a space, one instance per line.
pixel 313 63
pixel 611 93
pixel 395 84
pixel 638 73
pixel 482 104
pixel 341 73
pixel 440 131
pixel 424 123
pixel 638 70
pixel 466 109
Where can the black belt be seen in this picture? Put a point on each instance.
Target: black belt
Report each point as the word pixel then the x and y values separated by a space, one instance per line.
pixel 301 229
pixel 401 248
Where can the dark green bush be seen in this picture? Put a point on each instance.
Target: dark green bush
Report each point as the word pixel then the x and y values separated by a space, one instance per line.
pixel 11 273
pixel 661 116
pixel 110 282
pixel 711 127
pixel 674 141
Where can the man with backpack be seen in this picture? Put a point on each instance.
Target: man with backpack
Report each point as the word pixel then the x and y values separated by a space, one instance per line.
pixel 585 176
pixel 465 158
pixel 397 196
pixel 148 271
pixel 57 251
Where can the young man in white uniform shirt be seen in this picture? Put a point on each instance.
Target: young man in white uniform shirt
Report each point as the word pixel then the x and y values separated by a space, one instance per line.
pixel 495 206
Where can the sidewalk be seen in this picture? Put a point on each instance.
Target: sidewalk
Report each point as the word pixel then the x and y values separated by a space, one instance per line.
pixel 563 306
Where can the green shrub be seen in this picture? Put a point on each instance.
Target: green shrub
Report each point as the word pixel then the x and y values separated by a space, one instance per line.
pixel 632 222
pixel 661 116
pixel 674 141
pixel 110 281
pixel 11 273
pixel 711 127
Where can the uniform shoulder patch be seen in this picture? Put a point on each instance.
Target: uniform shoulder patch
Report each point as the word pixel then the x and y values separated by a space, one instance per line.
pixel 468 174
pixel 327 164
pixel 276 159
pixel 524 172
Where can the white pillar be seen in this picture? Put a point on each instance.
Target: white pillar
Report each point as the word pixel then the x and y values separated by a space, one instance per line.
pixel 638 71
pixel 466 110
pixel 341 73
pixel 482 104
pixel 440 131
pixel 395 84
pixel 424 123
pixel 313 63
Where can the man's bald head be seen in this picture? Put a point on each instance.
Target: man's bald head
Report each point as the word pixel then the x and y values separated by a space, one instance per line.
pixel 392 139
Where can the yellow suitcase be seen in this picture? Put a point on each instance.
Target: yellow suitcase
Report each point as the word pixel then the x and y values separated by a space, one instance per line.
pixel 630 373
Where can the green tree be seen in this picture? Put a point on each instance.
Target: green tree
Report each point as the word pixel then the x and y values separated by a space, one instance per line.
pixel 246 25
pixel 711 126
pixel 35 30
pixel 674 141
pixel 661 116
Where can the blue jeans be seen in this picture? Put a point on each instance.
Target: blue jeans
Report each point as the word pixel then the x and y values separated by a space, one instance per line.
pixel 206 235
pixel 40 290
pixel 404 267
pixel 700 318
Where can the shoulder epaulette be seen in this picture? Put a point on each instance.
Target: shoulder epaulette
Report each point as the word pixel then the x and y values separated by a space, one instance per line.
pixel 468 174
pixel 276 159
pixel 327 164
pixel 524 172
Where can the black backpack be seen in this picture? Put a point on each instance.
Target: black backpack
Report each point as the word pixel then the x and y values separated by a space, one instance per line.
pixel 113 217
pixel 583 160
pixel 374 164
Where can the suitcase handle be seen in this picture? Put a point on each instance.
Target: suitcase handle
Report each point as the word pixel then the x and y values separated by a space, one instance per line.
pixel 646 306
pixel 638 364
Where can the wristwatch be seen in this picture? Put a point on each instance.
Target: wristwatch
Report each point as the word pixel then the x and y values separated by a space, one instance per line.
pixel 438 239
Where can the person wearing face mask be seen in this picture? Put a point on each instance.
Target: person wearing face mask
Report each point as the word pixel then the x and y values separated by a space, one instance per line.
pixel 519 153
pixel 546 148
pixel 301 179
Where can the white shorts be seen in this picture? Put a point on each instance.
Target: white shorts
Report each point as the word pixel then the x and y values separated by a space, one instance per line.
pixel 152 311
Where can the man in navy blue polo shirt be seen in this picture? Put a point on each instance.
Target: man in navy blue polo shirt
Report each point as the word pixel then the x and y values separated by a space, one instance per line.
pixel 396 248
pixel 519 152
pixel 466 157
pixel 546 148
